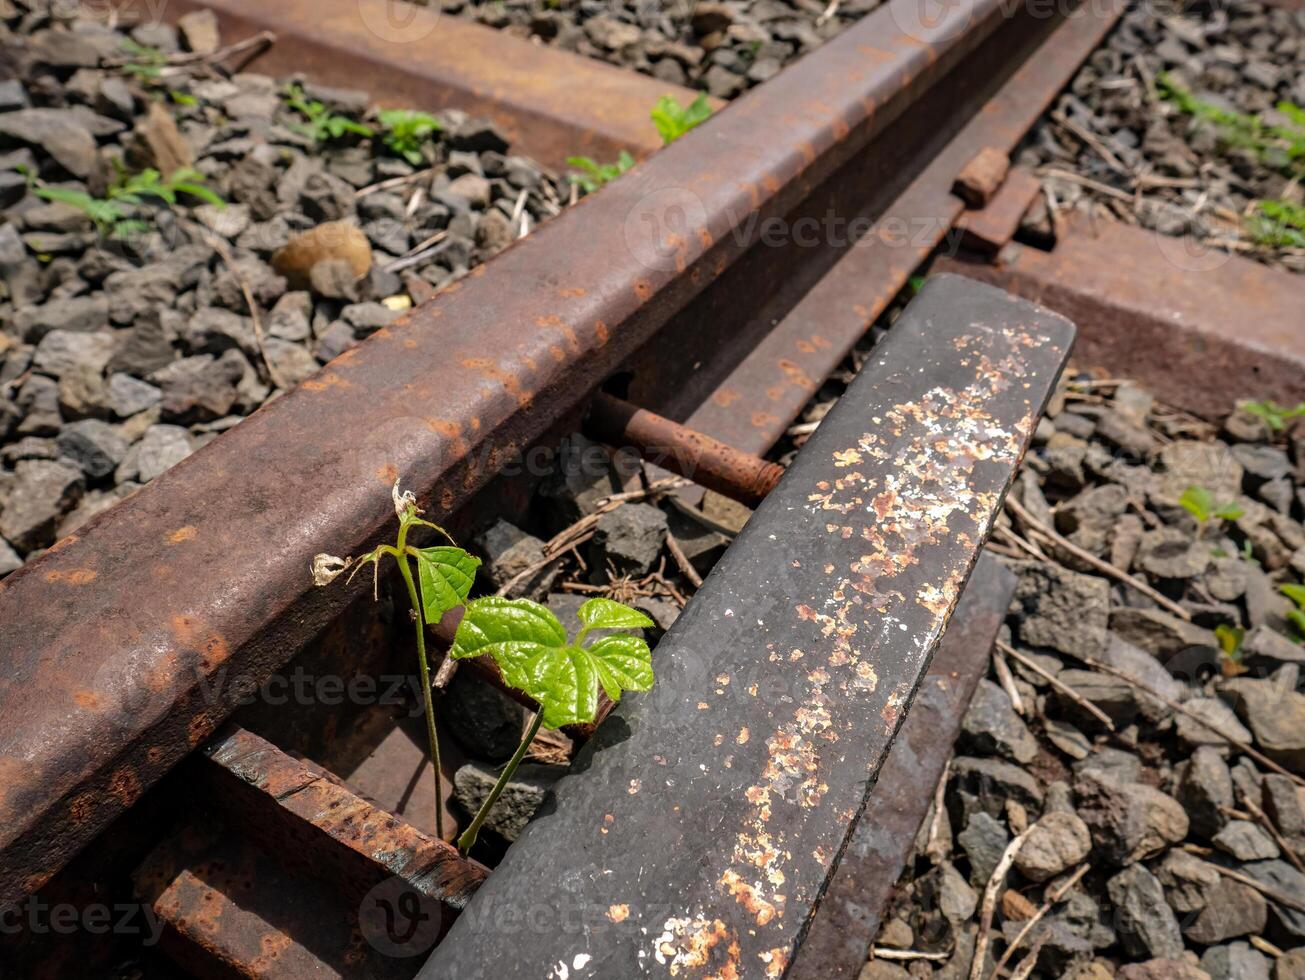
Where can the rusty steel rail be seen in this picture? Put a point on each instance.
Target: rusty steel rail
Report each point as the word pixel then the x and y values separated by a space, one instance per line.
pixel 123 640
pixel 701 827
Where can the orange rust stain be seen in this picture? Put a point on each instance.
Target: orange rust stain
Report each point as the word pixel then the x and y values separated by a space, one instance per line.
pixel 725 397
pixel 490 370
pixel 387 473
pixel 762 419
pixel 181 534
pixel 410 344
pixel 601 332
pixel 557 353
pixel 81 807
pixel 328 379
pixel 198 729
pixel 642 289
pixel 704 238
pixel 571 291
pixel 193 635
pixel 618 913
pixel 154 754
pixel 125 785
pixel 447 499
pixel 62 543
pixel 87 700
pixel 78 576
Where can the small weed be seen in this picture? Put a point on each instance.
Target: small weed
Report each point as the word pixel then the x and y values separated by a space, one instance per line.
pixel 1230 648
pixel 111 214
pixel 320 123
pixel 674 120
pixel 527 642
pixel 1273 415
pixel 1278 224
pixel 144 63
pixel 1199 502
pixel 1296 593
pixel 406 131
pixel 182 98
pixel 594 175
pixel 1277 146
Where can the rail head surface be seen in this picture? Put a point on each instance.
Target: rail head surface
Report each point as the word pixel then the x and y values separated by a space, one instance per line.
pixel 129 642
pixel 701 826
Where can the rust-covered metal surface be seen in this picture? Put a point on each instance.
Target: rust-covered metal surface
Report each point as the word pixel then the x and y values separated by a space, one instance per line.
pixel 992 227
pixel 707 461
pixel 755 384
pixel 129 642
pixel 320 824
pixel 838 943
pixel 1199 327
pixel 550 104
pixel 702 824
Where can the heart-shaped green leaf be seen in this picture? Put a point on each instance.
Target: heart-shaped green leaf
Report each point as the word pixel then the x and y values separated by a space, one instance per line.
pixel 624 663
pixel 446 575
pixel 512 631
pixel 605 614
pixel 564 681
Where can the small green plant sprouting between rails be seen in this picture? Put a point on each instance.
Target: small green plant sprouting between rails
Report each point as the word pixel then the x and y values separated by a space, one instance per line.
pixel 1279 224
pixel 526 641
pixel 407 131
pixel 1273 415
pixel 320 123
pixel 594 175
pixel 672 121
pixel 1230 640
pixel 1200 503
pixel 1296 593
pixel 144 63
pixel 1278 146
pixel 112 214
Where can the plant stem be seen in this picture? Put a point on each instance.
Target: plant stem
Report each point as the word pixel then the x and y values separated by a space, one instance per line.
pixel 424 669
pixel 468 837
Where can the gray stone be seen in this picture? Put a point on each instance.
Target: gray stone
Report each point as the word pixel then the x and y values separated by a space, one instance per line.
pixel 1145 924
pixel 161 448
pixel 630 538
pixel 1088 519
pixel 1262 462
pixel 1187 880
pixel 1232 909
pixel 128 395
pixel 583 474
pixel 148 346
pixel 991 726
pixel 367 318
pixel 1168 552
pixel 1067 738
pixel 334 341
pixel 521 797
pixel 1158 969
pixel 1129 821
pixel 983 840
pixel 1205 788
pixel 1236 961
pixel 991 782
pixel 197 389
pixel 1115 697
pixel 9 560
pixel 1226 579
pixel 291 362
pixel 1281 877
pixel 1188 463
pixel 77 313
pixel 42 493
pixel 509 552
pixel 94 446
pixel 1290 965
pixel 1275 713
pixel 1061 610
pixel 956 899
pixel 1246 841
pixel 1281 800
pixel 1159 633
pixel 485 722
pixel 1056 843
pixel 212 330
pixel 1218 718
pixel 62 351
pixel 1266 647
pixel 1124 767
pixel 62 133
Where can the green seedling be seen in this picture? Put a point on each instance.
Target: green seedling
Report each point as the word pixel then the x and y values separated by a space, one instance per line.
pixel 674 120
pixel 446 574
pixel 1278 224
pixel 1273 415
pixel 182 98
pixel 1199 502
pixel 144 63
pixel 594 175
pixel 1296 593
pixel 530 646
pixel 1278 146
pixel 406 132
pixel 1230 646
pixel 526 641
pixel 320 123
pixel 111 214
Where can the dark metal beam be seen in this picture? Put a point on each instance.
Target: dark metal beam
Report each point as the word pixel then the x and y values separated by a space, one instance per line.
pixel 703 823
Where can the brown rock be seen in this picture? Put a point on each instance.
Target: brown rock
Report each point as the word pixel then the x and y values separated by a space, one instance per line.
pixel 157 142
pixel 332 241
pixel 1161 970
pixel 199 28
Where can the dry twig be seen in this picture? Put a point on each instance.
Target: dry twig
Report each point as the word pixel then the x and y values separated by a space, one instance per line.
pixel 990 903
pixel 1061 891
pixel 1058 684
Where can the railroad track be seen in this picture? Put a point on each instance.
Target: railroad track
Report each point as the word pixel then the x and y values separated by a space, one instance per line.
pixel 707 830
